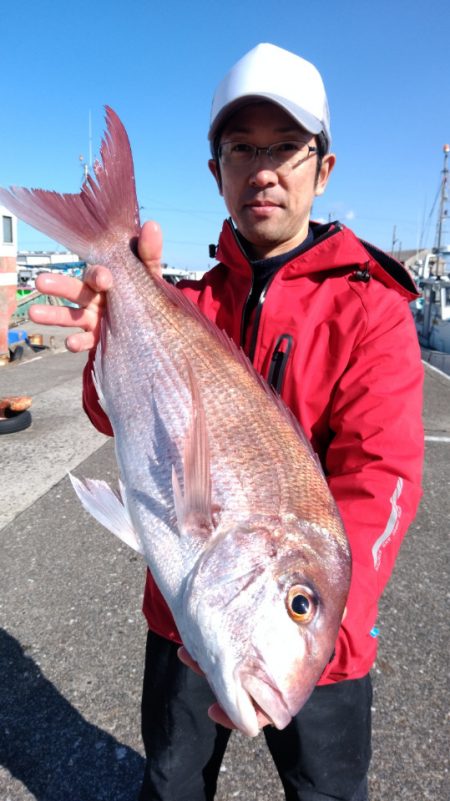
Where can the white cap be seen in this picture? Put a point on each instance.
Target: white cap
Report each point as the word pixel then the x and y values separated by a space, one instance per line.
pixel 277 75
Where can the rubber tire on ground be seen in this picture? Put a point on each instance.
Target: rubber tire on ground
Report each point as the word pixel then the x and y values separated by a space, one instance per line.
pixel 16 421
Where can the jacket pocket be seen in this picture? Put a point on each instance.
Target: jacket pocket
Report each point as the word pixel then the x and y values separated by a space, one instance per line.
pixel 279 361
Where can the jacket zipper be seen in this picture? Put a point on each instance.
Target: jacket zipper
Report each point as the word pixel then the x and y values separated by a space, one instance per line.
pixel 258 312
pixel 279 361
pixel 336 229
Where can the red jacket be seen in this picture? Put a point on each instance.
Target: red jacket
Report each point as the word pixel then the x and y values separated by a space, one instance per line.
pixel 334 333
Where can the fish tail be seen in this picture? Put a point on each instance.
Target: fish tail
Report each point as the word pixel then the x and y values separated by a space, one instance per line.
pixel 106 204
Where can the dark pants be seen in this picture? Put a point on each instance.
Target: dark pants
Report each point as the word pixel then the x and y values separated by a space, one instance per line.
pixel 323 755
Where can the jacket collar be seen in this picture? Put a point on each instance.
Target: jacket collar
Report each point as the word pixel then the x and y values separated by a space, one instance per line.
pixel 335 248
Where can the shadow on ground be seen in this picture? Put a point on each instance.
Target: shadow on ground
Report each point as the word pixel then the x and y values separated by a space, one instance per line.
pixel 48 746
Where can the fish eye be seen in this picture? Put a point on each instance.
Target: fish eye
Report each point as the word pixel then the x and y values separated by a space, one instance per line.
pixel 300 604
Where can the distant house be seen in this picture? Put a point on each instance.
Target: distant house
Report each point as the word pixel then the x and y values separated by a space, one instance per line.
pixel 412 259
pixel 8 276
pixel 46 258
pixel 8 233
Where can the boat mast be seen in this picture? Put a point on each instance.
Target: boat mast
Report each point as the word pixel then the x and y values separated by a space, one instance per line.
pixel 443 212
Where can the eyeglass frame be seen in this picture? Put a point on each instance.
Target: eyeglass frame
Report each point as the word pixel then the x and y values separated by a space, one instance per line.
pixel 256 151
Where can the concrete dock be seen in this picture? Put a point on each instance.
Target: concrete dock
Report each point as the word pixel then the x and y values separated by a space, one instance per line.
pixel 72 634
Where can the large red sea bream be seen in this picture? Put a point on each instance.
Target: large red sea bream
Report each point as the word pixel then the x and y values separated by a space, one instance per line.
pixel 220 489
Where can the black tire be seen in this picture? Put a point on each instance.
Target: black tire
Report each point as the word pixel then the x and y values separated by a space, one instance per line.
pixel 16 421
pixel 16 354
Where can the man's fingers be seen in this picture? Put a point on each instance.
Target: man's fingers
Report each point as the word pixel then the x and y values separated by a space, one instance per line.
pixel 216 713
pixel 99 278
pixel 81 342
pixel 86 319
pixel 54 315
pixel 89 295
pixel 96 279
pixel 187 660
pixel 64 316
pixel 150 246
pixel 68 318
pixel 59 286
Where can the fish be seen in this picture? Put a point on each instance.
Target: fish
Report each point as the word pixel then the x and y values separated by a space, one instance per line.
pixel 219 490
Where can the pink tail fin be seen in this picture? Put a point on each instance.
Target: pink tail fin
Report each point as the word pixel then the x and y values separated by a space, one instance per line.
pixel 81 222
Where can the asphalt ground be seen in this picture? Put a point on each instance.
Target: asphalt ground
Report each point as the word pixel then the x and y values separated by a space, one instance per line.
pixel 72 634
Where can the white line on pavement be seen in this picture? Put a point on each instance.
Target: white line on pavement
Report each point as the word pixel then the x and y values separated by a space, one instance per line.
pixel 436 369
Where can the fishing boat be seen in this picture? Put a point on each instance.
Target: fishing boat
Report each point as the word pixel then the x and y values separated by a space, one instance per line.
pixel 431 311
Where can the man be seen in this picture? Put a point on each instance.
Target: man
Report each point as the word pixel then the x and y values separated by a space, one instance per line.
pixel 325 319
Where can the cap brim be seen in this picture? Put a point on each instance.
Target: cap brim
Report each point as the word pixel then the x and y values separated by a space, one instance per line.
pixel 300 116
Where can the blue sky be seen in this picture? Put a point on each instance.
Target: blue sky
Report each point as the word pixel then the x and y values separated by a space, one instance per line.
pixel 386 67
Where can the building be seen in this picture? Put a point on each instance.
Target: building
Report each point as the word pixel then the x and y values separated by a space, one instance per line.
pixel 8 276
pixel 45 258
pixel 412 259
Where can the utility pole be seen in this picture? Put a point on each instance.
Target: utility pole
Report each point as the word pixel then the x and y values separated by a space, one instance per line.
pixel 87 165
pixel 394 240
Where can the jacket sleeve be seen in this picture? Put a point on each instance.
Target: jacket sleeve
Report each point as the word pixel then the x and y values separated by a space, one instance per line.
pixel 91 404
pixel 374 466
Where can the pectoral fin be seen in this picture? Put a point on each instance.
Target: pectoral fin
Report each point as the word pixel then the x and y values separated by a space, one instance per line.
pixel 193 507
pixel 108 509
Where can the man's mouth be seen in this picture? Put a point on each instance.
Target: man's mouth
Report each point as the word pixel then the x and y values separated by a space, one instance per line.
pixel 261 208
pixel 262 204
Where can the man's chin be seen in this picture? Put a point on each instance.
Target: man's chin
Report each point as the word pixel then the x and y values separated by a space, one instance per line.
pixel 262 240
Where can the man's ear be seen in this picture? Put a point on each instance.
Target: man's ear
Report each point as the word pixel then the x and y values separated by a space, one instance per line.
pixel 326 168
pixel 215 169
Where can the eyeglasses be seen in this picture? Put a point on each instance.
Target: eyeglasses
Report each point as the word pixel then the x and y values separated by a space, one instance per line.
pixel 281 154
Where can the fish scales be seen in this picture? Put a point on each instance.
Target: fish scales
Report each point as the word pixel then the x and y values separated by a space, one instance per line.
pixel 221 492
pixel 265 449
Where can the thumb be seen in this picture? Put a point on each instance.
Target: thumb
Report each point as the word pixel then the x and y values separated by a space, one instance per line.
pixel 150 246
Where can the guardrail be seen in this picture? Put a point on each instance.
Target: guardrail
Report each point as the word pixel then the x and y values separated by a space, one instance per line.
pixel 24 302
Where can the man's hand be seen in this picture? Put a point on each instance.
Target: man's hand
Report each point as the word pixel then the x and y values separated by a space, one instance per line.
pixel 90 294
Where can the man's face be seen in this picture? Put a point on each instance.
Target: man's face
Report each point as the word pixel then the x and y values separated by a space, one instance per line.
pixel 269 206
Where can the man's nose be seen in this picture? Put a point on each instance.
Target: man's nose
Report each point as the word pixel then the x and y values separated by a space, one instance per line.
pixel 261 176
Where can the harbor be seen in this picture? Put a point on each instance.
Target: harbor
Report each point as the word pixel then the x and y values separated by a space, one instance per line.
pixel 302 180
pixel 431 311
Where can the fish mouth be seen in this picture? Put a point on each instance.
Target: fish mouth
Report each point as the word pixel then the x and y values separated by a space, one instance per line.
pixel 267 700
